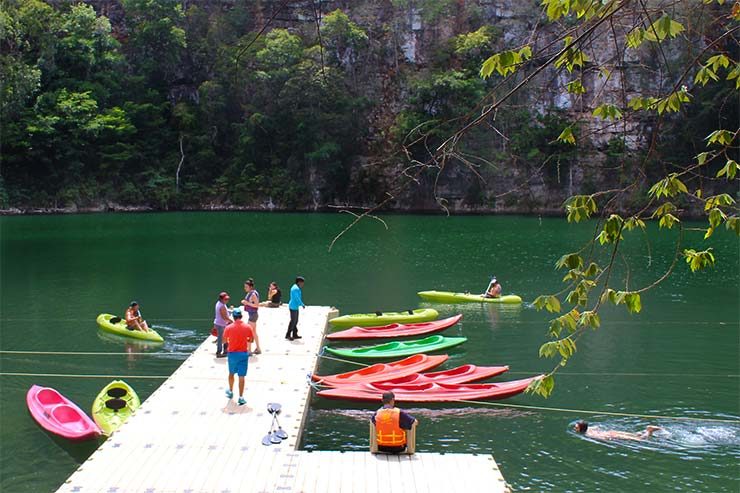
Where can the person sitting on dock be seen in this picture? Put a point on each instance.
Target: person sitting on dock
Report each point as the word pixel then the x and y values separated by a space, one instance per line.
pixel 494 289
pixel 391 424
pixel 239 337
pixel 599 434
pixel 274 296
pixel 134 320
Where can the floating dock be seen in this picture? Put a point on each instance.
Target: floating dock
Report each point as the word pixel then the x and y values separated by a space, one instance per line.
pixel 187 437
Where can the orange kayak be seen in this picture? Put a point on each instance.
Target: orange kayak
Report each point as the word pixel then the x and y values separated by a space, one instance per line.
pixel 384 371
pixel 428 392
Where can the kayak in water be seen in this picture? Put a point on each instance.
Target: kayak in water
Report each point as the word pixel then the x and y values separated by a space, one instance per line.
pixel 450 297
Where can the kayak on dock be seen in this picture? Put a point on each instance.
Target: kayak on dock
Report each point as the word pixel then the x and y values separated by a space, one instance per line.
pixel 399 348
pixel 395 330
pixel 384 371
pixel 114 405
pixel 428 392
pixel 450 297
pixel 60 416
pixel 108 323
pixel 383 318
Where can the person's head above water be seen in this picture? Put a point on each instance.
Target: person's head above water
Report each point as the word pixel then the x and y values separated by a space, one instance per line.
pixel 580 427
pixel 133 304
pixel 388 397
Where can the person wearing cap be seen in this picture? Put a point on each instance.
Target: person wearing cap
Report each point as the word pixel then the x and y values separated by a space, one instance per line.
pixel 494 289
pixel 391 425
pixel 296 301
pixel 251 304
pixel 134 320
pixel 239 337
pixel 220 321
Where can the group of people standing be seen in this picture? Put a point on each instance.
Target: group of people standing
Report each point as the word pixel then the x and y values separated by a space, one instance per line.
pixel 234 337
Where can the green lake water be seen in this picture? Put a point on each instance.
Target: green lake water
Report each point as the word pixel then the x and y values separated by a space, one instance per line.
pixel 679 357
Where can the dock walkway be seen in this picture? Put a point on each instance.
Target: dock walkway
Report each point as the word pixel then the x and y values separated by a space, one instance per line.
pixel 187 437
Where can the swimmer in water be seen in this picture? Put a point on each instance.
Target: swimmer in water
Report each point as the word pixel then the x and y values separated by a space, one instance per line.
pixel 599 434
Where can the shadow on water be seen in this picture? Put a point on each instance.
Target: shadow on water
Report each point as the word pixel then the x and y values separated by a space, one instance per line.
pixel 77 451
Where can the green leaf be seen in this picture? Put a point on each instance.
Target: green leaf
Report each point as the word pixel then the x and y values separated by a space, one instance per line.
pixel 542 386
pixel 670 186
pixel 590 319
pixel 663 28
pixel 722 137
pixel 635 38
pixel 699 260
pixel 549 349
pixel 575 87
pixel 572 57
pixel 570 260
pixel 567 136
pixel 550 303
pixel 607 112
pixel 668 221
pixel 729 170
pixel 735 74
pixel 716 216
pixel 633 302
pixel 733 224
pixel 720 200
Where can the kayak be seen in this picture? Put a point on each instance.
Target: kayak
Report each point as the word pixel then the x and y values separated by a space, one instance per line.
pixel 58 415
pixel 450 297
pixel 461 374
pixel 384 371
pixel 113 406
pixel 428 392
pixel 399 348
pixel 395 330
pixel 104 321
pixel 382 318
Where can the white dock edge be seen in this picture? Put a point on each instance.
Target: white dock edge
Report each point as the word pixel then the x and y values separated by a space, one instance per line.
pixel 187 437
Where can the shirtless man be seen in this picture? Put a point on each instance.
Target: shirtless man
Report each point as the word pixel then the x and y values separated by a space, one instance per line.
pixel 134 320
pixel 599 434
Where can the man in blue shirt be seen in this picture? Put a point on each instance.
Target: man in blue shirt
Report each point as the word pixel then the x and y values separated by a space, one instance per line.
pixel 296 301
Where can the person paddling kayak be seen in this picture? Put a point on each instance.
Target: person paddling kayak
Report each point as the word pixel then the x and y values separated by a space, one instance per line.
pixel 494 289
pixel 134 320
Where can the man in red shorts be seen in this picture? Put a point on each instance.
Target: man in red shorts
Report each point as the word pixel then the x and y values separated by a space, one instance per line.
pixel 239 337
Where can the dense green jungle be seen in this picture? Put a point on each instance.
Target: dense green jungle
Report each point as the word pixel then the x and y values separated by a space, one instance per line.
pixel 304 105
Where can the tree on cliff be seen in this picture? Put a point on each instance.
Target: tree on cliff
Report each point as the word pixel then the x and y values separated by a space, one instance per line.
pixel 591 50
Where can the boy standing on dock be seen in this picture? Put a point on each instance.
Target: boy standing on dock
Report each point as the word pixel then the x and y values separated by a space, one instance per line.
pixel 296 301
pixel 239 337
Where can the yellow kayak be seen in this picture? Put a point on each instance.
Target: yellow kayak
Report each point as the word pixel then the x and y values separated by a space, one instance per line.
pixel 384 318
pixel 450 297
pixel 119 328
pixel 113 406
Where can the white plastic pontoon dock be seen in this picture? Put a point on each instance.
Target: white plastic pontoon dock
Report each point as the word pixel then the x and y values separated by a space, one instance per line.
pixel 187 437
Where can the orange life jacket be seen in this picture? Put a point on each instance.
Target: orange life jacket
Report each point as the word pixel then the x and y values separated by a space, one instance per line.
pixel 388 430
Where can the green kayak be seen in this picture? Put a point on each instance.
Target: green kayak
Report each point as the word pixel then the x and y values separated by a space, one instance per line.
pixel 113 405
pixel 399 348
pixel 450 297
pixel 104 321
pixel 385 318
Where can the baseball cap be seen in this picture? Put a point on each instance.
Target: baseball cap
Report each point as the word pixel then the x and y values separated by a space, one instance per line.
pixel 236 313
pixel 223 294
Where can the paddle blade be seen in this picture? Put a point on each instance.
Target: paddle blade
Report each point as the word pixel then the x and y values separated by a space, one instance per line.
pixel 280 433
pixel 274 438
pixel 266 440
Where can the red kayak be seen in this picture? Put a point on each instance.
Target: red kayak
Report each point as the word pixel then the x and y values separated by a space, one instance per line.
pixel 395 330
pixel 461 374
pixel 384 371
pixel 429 392
pixel 57 414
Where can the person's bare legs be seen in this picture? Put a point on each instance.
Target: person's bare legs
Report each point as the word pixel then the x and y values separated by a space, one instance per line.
pixel 231 381
pixel 241 385
pixel 257 349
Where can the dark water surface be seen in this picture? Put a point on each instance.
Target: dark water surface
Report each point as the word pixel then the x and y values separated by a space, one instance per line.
pixel 680 357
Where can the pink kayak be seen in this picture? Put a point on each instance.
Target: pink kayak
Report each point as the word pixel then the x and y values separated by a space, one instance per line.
pixel 429 392
pixel 395 330
pixel 461 374
pixel 384 371
pixel 57 414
